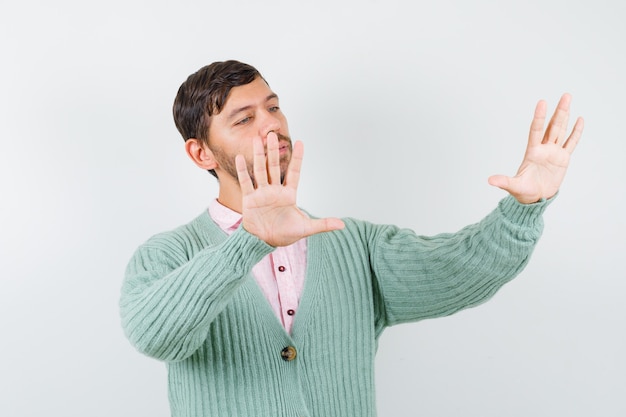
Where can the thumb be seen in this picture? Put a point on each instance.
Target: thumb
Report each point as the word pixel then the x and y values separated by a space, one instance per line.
pixel 328 224
pixel 500 181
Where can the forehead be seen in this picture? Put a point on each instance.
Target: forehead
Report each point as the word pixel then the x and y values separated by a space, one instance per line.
pixel 248 94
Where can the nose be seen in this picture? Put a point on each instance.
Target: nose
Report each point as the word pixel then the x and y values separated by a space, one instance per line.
pixel 270 123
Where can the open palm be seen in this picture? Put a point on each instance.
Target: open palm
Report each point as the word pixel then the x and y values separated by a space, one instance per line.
pixel 547 155
pixel 269 208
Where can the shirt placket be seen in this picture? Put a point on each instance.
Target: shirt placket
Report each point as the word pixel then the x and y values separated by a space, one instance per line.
pixel 287 293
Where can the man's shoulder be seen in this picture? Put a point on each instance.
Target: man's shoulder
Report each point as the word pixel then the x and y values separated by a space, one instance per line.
pixel 199 232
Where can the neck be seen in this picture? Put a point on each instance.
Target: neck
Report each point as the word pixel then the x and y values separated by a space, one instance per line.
pixel 230 194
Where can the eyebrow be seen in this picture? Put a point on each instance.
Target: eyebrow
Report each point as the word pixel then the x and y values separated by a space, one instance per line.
pixel 248 107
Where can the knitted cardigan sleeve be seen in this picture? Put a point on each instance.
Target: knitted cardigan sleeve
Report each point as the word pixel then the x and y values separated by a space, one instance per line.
pixel 172 291
pixel 419 277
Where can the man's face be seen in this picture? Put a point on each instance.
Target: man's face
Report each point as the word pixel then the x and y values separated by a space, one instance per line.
pixel 250 111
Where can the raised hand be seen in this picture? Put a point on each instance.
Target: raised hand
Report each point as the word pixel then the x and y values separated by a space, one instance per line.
pixel 547 155
pixel 269 207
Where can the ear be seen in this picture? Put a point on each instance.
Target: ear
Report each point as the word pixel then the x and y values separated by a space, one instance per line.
pixel 200 154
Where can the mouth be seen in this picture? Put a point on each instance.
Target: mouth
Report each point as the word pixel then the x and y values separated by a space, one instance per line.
pixel 284 147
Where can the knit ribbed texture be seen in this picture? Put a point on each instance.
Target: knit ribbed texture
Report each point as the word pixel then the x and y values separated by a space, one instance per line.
pixel 189 299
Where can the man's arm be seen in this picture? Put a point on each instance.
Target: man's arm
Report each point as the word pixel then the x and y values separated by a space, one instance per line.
pixel 425 277
pixel 174 289
pixel 422 277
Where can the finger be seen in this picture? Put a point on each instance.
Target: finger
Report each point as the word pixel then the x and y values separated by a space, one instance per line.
pixel 292 177
pixel 536 127
pixel 574 137
pixel 245 182
pixel 563 132
pixel 558 122
pixel 259 162
pixel 273 158
pixel 329 224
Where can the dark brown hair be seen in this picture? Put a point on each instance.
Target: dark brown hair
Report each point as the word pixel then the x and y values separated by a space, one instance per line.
pixel 204 94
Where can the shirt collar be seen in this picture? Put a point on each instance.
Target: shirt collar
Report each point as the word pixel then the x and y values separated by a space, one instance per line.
pixel 228 220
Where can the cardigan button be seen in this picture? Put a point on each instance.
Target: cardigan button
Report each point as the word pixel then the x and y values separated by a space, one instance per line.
pixel 289 353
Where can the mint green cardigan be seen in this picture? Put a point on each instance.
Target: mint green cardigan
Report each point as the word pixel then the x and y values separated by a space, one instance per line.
pixel 189 299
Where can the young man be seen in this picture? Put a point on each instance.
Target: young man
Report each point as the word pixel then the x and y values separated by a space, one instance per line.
pixel 260 310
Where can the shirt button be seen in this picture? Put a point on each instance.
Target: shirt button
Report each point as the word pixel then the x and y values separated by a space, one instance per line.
pixel 291 312
pixel 289 353
pixel 281 268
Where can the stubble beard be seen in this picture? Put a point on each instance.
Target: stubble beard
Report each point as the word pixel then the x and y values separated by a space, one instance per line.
pixel 227 162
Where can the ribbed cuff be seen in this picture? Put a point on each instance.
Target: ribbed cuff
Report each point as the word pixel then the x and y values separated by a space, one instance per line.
pixel 525 215
pixel 243 248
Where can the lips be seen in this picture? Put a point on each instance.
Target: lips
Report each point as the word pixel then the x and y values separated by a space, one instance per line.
pixel 284 147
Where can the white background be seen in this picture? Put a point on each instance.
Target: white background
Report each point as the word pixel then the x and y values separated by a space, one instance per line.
pixel 405 109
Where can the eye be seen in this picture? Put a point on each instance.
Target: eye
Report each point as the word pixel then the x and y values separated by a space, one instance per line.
pixel 244 121
pixel 274 109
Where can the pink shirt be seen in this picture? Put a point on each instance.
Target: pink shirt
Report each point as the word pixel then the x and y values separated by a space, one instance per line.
pixel 279 274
